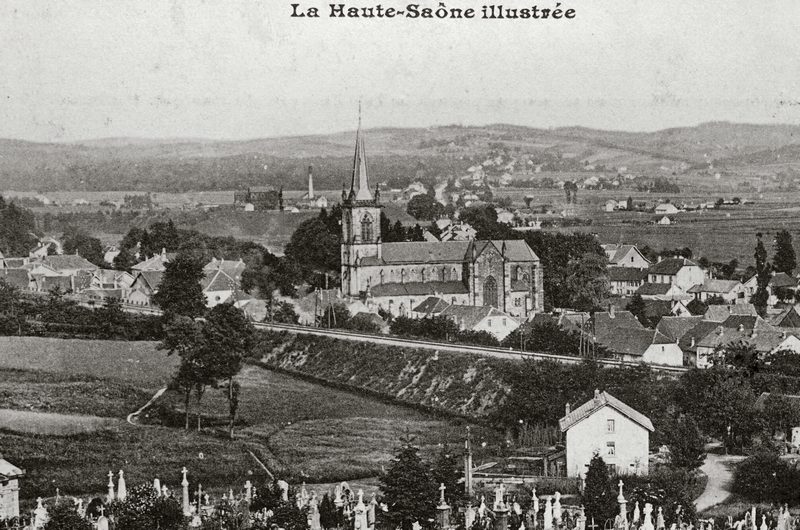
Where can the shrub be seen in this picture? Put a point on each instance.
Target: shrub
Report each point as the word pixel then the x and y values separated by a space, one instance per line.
pixel 766 478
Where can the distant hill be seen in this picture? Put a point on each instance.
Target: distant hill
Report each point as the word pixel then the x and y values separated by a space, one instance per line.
pixel 189 164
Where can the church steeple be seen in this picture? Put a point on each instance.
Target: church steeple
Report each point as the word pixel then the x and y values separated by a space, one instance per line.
pixel 359 184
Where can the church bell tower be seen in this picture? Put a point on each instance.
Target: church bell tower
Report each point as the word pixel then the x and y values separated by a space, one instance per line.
pixel 361 222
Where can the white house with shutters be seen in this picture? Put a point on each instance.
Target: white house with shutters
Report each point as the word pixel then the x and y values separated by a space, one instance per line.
pixel 608 427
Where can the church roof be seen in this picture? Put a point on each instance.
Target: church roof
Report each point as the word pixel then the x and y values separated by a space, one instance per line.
pixel 421 252
pixel 425 252
pixel 359 184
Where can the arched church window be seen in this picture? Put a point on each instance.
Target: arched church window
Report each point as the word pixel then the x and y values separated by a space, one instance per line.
pixel 490 292
pixel 366 228
pixel 381 274
pixel 422 272
pixel 443 278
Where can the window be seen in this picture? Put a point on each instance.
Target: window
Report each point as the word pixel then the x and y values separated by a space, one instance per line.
pixel 490 322
pixel 366 228
pixel 610 426
pixel 611 448
pixel 504 322
pixel 453 301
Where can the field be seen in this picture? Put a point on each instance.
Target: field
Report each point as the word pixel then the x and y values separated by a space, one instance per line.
pixel 50 424
pixel 297 429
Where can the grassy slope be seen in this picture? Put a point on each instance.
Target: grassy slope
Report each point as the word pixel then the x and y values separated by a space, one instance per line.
pixel 299 429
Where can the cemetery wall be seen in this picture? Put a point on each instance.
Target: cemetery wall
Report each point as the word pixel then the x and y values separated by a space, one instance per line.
pixel 457 383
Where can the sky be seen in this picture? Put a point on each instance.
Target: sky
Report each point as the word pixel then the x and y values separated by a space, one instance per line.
pixel 228 69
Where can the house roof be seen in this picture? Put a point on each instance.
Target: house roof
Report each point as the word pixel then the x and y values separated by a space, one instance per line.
pixel 417 289
pixel 632 341
pixel 711 285
pixel 674 328
pixel 670 266
pixel 68 262
pixel 600 400
pixel 616 253
pixel 16 263
pixel 15 277
pixel 697 333
pixel 721 312
pixel 468 316
pixel 605 321
pixel 150 279
pixel 658 308
pixel 217 280
pixel 763 341
pixel 9 470
pixel 626 274
pixel 788 318
pixel 781 279
pixel 653 289
pixel 232 268
pixel 748 322
pixel 431 305
pixel 156 263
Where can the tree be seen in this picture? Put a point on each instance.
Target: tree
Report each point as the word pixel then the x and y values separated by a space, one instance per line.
pixel 143 508
pixel 334 315
pixel 315 246
pixel 17 229
pixel 124 260
pixel 64 516
pixel 761 296
pixel 780 414
pixel 686 443
pixel 670 489
pixel 409 489
pixel 599 494
pixel 424 207
pixel 91 248
pixel 183 336
pixel 638 308
pixel 230 338
pixel 764 477
pixel 447 471
pixel 284 313
pixel 587 281
pixel 785 259
pixel 180 292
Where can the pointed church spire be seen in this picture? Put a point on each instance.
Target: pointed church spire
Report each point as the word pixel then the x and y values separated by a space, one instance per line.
pixel 359 185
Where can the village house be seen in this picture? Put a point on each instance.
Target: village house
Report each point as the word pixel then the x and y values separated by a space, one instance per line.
pixel 675 327
pixel 155 263
pixel 661 291
pixel 665 221
pixel 606 426
pixel 625 256
pixel 787 317
pixel 621 333
pixel 625 281
pixel 9 489
pixel 666 208
pixel 482 318
pixel 682 272
pixel 730 291
pixel 781 287
pixel 721 312
pixel 144 286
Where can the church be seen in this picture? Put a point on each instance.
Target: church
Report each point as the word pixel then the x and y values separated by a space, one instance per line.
pixel 395 277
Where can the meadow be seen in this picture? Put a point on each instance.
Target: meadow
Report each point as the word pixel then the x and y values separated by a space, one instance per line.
pixel 63 404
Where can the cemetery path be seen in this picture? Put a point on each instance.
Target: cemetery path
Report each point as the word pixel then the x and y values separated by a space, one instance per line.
pixel 133 415
pixel 719 480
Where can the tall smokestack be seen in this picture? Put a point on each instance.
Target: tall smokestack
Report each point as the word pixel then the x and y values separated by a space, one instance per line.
pixel 310 182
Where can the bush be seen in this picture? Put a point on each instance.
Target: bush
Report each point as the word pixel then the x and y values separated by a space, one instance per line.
pixel 766 478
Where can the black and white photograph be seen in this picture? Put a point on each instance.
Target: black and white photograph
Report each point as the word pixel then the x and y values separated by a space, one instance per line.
pixel 399 265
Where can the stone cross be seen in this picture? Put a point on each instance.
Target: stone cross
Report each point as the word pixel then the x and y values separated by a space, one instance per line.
pixel 102 510
pixel 441 494
pixel 185 493
pixel 593 526
pixel 248 488
pixel 110 486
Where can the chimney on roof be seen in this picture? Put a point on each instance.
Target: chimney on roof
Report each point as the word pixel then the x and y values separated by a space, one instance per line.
pixel 163 251
pixel 783 334
pixel 720 330
pixel 692 344
pixel 658 260
pixel 566 409
pixel 596 394
pixel 741 327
